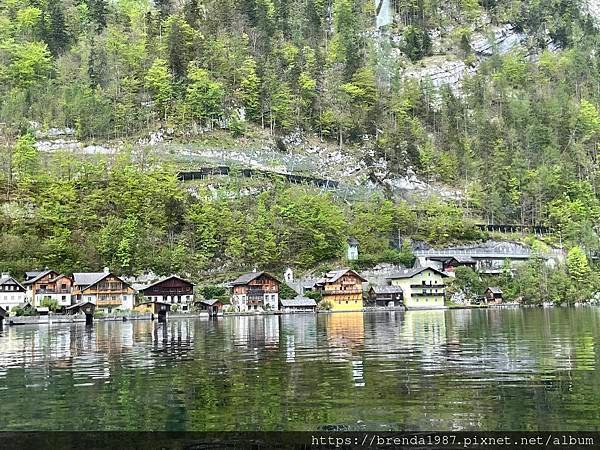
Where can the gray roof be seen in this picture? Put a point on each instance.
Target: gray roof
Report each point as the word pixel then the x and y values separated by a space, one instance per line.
pixel 495 290
pixel 409 273
pixel 210 302
pixel 352 241
pixel 32 274
pixel 298 301
pixel 38 276
pixel 248 277
pixel 334 275
pixel 10 280
pixel 87 279
pixel 387 289
pixel 78 305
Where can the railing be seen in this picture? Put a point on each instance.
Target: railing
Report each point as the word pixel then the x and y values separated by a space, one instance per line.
pixel 52 291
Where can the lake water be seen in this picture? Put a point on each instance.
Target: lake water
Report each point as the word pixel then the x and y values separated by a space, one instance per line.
pixel 518 369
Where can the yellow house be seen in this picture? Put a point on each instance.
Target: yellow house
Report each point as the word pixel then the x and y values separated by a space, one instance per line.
pixel 423 287
pixel 342 289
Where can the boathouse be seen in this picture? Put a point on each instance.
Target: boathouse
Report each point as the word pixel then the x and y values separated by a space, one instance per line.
pixel 213 306
pixel 386 296
pixel 493 295
pixel 298 304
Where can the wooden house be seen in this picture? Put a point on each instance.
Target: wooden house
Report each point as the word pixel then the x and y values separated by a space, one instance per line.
pixel 255 291
pixel 106 290
pixel 386 296
pixel 493 295
pixel 298 304
pixel 213 307
pixel 422 287
pixel 84 307
pixel 12 293
pixel 342 290
pixel 156 308
pixel 49 284
pixel 173 290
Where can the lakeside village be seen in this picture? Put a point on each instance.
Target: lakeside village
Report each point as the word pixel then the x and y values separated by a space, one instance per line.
pixel 88 295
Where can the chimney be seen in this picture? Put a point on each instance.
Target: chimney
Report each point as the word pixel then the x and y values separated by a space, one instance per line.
pixel 106 270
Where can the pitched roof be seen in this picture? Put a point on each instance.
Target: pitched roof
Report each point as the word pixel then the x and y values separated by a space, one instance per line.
pixel 58 277
pixel 32 274
pixel 298 301
pixel 248 277
pixel 334 275
pixel 79 305
pixel 387 289
pixel 87 279
pixel 495 290
pixel 352 241
pixel 7 279
pixel 38 276
pixel 165 279
pixel 409 273
pixel 210 302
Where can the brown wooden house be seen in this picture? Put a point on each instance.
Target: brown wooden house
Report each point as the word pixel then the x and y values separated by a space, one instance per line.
pixel 173 290
pixel 386 296
pixel 342 289
pixel 493 295
pixel 255 291
pixel 106 290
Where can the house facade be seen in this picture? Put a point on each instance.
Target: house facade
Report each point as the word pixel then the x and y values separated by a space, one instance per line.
pixel 104 289
pixel 48 284
pixel 12 293
pixel 386 296
pixel 493 295
pixel 298 304
pixel 172 290
pixel 422 287
pixel 342 289
pixel 255 291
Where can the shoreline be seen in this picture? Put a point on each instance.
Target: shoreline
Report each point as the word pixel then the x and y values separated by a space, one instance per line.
pixel 63 319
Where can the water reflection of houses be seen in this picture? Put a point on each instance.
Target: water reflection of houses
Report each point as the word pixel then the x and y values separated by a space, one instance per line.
pixel 425 330
pixel 254 331
pixel 298 333
pixel 345 338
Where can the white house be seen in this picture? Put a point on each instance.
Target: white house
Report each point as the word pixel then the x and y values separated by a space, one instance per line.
pixel 12 293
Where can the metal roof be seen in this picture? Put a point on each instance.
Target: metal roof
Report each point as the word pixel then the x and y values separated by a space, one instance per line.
pixel 38 276
pixel 10 280
pixel 495 290
pixel 210 302
pixel 409 273
pixel 387 289
pixel 248 277
pixel 334 275
pixel 298 301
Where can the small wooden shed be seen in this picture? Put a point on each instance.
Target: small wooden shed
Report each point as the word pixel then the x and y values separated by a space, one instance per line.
pixel 493 295
pixel 213 306
pixel 386 296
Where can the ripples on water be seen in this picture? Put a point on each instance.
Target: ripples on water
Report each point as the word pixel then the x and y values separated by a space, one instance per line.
pixel 455 370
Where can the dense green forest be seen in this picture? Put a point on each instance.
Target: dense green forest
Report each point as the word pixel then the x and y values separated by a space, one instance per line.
pixel 520 138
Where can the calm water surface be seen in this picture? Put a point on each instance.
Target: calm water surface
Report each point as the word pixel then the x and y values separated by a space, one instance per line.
pixel 521 369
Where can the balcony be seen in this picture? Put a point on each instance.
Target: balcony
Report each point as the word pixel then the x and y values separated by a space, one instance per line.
pixel 52 291
pixel 342 291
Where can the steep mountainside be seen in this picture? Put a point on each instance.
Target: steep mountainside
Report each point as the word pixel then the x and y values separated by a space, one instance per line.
pixel 487 110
